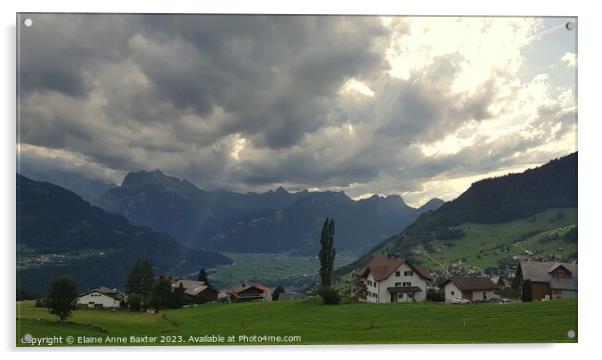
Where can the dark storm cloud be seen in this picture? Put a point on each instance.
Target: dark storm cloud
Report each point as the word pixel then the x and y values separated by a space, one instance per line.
pixel 57 48
pixel 248 102
pixel 276 77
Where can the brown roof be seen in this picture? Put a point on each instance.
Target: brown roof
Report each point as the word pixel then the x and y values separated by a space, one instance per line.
pixel 382 266
pixel 472 283
pixel 243 286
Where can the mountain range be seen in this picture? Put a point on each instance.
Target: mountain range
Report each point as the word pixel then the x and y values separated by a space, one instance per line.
pixel 87 188
pixel 60 234
pixel 274 221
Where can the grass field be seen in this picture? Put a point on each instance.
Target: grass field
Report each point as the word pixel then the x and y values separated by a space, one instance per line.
pixel 486 244
pixel 315 323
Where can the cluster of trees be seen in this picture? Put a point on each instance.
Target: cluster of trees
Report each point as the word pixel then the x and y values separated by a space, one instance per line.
pixel 143 291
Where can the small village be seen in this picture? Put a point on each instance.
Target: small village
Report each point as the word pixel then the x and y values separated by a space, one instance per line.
pixel 385 279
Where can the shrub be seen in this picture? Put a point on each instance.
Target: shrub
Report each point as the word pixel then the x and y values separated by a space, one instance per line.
pixel 330 296
pixel 434 295
pixel 134 301
pixel 42 302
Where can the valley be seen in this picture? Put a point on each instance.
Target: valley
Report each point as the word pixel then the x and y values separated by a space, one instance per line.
pixel 292 272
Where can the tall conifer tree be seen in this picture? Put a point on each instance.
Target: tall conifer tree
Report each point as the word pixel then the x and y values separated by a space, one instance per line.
pixel 327 252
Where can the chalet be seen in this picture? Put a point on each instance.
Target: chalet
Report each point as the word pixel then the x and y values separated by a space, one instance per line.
pixel 469 288
pixel 249 292
pixel 391 279
pixel 103 298
pixel 195 292
pixel 545 280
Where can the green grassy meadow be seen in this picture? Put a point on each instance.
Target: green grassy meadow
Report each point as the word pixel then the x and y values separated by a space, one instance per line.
pixel 486 244
pixel 318 324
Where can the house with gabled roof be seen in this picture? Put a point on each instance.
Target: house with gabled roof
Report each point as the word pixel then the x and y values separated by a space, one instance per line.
pixel 195 292
pixel 102 297
pixel 391 279
pixel 469 288
pixel 546 280
pixel 244 292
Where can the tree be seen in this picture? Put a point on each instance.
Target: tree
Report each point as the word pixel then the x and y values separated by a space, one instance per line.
pixel 276 294
pixel 526 295
pixel 203 277
pixel 162 294
pixel 177 297
pixel 134 301
pixel 329 295
pixel 141 280
pixel 327 252
pixel 63 295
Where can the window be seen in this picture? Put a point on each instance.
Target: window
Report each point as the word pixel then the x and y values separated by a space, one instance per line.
pixel 398 273
pixel 408 273
pixel 407 284
pixel 400 296
pixel 410 295
pixel 397 284
pixel 452 293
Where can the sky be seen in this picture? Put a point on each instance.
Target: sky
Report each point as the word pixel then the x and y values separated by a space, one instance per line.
pixel 419 107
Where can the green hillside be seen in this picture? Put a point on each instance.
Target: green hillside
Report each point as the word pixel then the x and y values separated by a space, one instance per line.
pixel 494 220
pixel 485 245
pixel 319 324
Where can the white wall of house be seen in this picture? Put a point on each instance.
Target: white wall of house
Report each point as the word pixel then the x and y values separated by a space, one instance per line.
pixel 393 280
pixel 95 297
pixel 371 289
pixel 451 292
pixel 483 295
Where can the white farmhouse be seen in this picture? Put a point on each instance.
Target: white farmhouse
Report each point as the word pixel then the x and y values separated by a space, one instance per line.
pixel 391 279
pixel 469 288
pixel 102 297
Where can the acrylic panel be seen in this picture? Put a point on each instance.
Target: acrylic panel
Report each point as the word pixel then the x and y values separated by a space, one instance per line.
pixel 189 179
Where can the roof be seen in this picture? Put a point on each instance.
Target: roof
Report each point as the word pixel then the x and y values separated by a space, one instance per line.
pixel 242 287
pixel 113 293
pixel 192 288
pixel 382 266
pixel 539 271
pixel 564 284
pixel 472 283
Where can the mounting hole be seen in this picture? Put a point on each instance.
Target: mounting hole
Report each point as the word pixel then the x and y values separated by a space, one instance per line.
pixel 27 338
pixel 28 22
pixel 571 334
pixel 569 25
